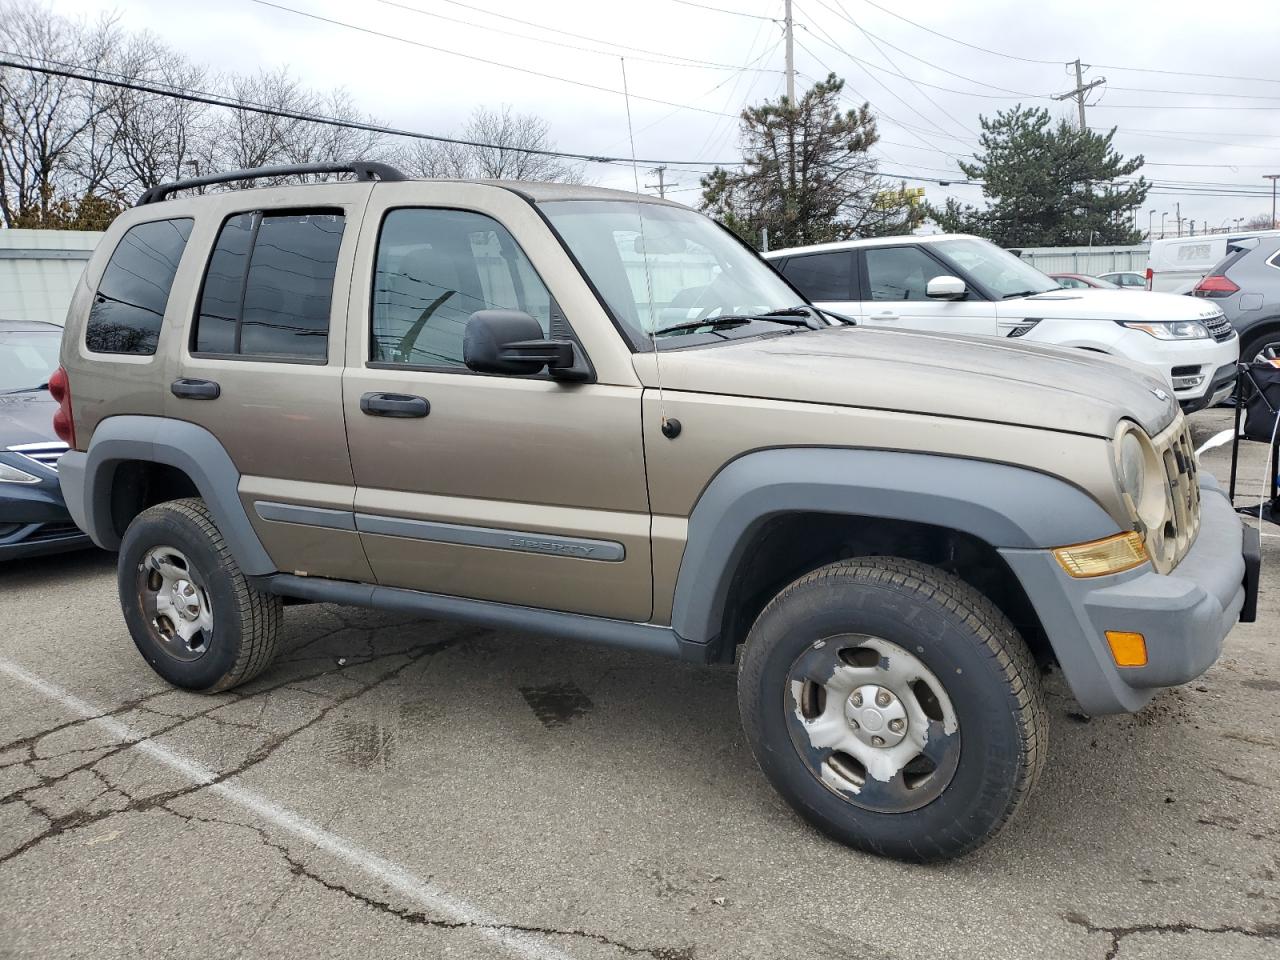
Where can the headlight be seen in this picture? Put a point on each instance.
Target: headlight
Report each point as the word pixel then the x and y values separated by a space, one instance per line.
pixel 1174 330
pixel 1141 477
pixel 10 474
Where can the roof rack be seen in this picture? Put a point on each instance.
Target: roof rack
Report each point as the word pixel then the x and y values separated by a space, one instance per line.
pixel 362 170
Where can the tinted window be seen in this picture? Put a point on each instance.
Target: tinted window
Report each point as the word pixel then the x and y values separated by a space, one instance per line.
pixel 131 299
pixel 822 276
pixel 434 269
pixel 269 286
pixel 900 273
pixel 1070 282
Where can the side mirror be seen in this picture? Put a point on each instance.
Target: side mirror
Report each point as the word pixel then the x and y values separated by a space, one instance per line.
pixel 945 288
pixel 511 342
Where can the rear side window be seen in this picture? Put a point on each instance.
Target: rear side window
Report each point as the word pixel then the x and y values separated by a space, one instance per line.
pixel 129 306
pixel 434 269
pixel 822 276
pixel 268 288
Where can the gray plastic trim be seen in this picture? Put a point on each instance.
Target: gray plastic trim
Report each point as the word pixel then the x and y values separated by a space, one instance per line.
pixel 311 516
pixel 646 637
pixel 520 541
pixel 1002 505
pixel 193 450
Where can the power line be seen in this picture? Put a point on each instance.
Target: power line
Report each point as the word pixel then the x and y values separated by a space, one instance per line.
pixel 685 61
pixel 735 13
pixel 468 56
pixel 216 100
pixel 971 46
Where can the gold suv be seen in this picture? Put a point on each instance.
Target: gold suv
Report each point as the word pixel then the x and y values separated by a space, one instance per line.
pixel 580 412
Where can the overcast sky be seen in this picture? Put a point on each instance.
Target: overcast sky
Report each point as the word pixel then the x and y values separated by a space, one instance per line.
pixel 1195 130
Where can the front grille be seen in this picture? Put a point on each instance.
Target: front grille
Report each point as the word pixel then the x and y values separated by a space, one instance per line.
pixel 48 453
pixel 1220 328
pixel 1169 543
pixel 52 531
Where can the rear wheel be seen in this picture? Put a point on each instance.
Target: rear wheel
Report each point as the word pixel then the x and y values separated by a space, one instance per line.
pixel 894 707
pixel 1261 347
pixel 190 610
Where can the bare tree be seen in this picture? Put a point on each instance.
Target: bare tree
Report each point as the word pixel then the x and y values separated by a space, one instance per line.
pixel 511 139
pixel 327 143
pixel 44 119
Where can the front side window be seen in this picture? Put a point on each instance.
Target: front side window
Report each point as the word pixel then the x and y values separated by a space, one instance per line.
pixel 129 306
pixel 663 265
pixel 434 269
pixel 822 276
pixel 1071 283
pixel 999 271
pixel 268 289
pixel 901 273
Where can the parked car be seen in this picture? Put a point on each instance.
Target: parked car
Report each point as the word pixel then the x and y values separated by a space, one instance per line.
pixel 1245 284
pixel 33 517
pixel 963 284
pixel 1126 279
pixel 1177 264
pixel 1082 281
pixel 566 410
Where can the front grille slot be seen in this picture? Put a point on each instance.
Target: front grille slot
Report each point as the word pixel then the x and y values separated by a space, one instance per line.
pixel 1220 328
pixel 46 454
pixel 1182 505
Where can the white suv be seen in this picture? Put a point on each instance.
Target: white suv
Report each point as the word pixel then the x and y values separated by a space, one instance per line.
pixel 962 284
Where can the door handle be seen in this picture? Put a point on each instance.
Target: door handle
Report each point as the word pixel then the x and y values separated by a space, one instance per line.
pixel 394 405
pixel 195 389
pixel 886 315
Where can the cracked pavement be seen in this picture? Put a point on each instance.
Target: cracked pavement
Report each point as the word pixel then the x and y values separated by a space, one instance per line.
pixel 551 799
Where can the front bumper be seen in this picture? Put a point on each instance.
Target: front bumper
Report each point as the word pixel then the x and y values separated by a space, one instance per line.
pixel 1185 615
pixel 1169 359
pixel 33 516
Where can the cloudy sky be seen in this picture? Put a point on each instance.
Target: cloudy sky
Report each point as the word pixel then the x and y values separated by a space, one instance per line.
pixel 1194 89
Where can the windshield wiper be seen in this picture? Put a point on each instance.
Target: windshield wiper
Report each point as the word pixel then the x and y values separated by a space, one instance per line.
pixel 38 387
pixel 790 316
pixel 1022 293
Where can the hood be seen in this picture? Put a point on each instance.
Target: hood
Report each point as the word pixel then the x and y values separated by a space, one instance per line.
pixel 936 374
pixel 26 418
pixel 1109 305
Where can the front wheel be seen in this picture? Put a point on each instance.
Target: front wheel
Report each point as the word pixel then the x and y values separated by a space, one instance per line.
pixel 894 707
pixel 192 613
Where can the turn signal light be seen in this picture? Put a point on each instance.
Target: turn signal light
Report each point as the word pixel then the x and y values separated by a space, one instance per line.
pixel 1127 649
pixel 1101 557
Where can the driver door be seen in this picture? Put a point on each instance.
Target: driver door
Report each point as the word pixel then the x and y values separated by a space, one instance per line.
pixel 895 280
pixel 517 489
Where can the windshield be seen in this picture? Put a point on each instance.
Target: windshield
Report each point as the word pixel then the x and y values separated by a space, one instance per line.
pixel 27 357
pixel 683 268
pixel 1003 274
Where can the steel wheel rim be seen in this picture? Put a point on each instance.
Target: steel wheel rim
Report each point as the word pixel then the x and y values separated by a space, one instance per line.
pixel 872 723
pixel 1270 351
pixel 175 603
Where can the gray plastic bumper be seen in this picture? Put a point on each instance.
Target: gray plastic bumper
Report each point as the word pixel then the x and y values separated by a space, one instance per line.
pixel 1184 615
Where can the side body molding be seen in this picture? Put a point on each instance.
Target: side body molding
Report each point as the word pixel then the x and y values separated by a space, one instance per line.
pixel 1004 506
pixel 86 480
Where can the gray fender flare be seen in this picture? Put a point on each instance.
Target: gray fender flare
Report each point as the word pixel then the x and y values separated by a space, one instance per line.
pixel 1002 505
pixel 87 477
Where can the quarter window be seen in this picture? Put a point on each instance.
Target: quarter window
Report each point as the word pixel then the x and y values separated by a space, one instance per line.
pixel 822 276
pixel 268 289
pixel 434 269
pixel 129 306
pixel 900 273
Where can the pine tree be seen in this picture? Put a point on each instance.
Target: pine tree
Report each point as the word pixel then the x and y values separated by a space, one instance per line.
pixel 1047 185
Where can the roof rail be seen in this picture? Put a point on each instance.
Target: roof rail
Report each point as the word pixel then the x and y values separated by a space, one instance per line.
pixel 363 171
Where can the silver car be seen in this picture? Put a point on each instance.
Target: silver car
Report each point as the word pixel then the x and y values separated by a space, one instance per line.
pixel 1246 285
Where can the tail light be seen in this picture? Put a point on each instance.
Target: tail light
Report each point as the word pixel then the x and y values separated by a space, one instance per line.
pixel 1150 274
pixel 63 424
pixel 1215 286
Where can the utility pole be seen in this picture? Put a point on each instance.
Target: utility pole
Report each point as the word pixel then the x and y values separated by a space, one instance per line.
pixel 1273 177
pixel 661 186
pixel 791 53
pixel 1078 94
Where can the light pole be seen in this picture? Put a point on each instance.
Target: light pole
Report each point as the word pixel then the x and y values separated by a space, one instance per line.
pixel 1151 214
pixel 1163 214
pixel 1273 177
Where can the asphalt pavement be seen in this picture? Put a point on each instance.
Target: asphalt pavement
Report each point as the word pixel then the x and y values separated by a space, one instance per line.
pixel 406 788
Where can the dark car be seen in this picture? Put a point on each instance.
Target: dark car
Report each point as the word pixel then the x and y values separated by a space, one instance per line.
pixel 1246 285
pixel 33 517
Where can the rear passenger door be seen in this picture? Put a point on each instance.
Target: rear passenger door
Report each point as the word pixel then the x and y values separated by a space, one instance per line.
pixel 261 367
pixel 828 279
pixel 895 280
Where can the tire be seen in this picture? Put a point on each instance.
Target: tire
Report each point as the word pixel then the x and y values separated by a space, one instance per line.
pixel 176 576
pixel 985 733
pixel 1256 343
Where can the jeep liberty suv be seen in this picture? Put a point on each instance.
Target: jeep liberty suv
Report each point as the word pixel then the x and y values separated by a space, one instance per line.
pixel 579 412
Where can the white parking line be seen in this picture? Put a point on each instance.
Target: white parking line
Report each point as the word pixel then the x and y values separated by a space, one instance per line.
pixel 425 894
